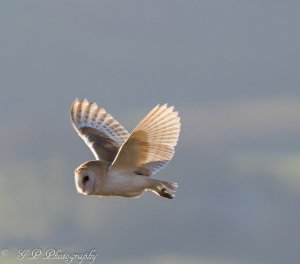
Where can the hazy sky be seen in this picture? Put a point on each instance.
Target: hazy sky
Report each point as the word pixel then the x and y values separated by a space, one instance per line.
pixel 231 68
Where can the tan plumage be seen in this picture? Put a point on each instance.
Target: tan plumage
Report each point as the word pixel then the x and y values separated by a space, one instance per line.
pixel 124 160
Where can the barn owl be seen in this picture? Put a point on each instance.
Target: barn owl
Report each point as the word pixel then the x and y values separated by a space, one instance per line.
pixel 124 163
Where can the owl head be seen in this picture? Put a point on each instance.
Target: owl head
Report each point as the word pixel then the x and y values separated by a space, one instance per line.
pixel 89 176
pixel 85 180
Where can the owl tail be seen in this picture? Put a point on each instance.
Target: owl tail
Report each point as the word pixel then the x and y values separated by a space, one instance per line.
pixel 165 189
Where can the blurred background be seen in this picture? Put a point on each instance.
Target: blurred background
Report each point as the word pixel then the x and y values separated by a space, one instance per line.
pixel 231 68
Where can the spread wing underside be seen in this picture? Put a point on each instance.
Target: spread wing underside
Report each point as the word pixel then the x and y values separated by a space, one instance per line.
pixel 99 130
pixel 151 144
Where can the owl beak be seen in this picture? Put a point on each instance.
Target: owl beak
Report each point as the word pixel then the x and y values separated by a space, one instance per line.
pixel 84 189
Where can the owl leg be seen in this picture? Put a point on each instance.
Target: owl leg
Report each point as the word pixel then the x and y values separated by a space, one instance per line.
pixel 164 189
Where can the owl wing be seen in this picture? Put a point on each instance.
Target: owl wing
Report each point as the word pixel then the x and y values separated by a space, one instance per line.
pixel 99 130
pixel 151 144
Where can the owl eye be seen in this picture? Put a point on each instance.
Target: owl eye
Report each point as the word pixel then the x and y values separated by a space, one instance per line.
pixel 85 179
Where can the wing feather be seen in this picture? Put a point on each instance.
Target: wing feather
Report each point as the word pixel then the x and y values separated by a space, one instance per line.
pixel 99 130
pixel 151 144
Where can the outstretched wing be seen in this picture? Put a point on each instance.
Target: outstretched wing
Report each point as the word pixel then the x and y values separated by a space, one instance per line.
pixel 99 130
pixel 151 144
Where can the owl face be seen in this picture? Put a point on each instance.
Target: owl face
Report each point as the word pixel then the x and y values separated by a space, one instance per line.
pixel 85 180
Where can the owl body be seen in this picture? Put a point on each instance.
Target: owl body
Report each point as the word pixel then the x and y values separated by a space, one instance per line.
pixel 125 162
pixel 97 178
